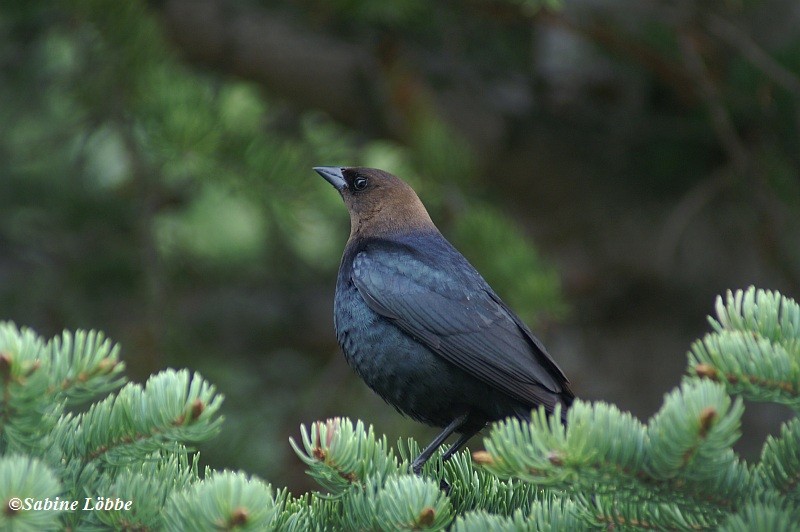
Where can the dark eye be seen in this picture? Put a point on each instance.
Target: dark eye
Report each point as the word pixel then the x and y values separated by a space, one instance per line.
pixel 360 183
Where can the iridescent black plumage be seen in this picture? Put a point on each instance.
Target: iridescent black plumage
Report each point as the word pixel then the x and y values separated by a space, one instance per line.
pixel 421 326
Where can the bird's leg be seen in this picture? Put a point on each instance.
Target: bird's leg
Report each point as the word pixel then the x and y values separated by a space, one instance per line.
pixel 460 442
pixel 419 461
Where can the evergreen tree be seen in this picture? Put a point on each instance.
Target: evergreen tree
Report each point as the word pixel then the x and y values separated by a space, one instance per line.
pixel 606 469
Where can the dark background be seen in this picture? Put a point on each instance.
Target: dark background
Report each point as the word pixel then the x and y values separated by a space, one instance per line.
pixel 610 167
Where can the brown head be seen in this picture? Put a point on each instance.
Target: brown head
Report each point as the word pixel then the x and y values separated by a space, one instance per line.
pixel 379 203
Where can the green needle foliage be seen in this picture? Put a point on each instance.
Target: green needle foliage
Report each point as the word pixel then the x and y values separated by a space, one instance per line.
pixel 224 501
pixel 129 446
pixel 754 349
pixel 22 477
pixel 340 454
pixel 679 471
pixel 606 469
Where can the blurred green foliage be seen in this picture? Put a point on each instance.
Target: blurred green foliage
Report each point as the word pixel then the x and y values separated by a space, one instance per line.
pixel 177 210
pixel 175 207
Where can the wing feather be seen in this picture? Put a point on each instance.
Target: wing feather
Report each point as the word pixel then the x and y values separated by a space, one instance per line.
pixel 455 313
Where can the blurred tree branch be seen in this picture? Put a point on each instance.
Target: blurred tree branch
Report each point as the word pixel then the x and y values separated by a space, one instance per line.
pixel 255 43
pixel 358 87
pixel 740 40
pixel 720 117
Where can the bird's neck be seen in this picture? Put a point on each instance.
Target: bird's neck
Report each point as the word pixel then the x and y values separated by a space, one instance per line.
pixel 386 222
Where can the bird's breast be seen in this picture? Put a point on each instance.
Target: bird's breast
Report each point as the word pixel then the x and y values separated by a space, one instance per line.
pixel 356 324
pixel 390 362
pixel 404 371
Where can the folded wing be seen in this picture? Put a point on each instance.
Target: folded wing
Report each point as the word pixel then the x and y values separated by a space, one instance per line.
pixel 457 315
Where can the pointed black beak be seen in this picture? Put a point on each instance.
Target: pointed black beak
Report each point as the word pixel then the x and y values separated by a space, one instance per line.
pixel 333 175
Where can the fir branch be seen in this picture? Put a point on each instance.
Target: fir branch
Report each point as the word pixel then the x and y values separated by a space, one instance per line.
pixel 149 485
pixel 607 452
pixel 476 489
pixel 548 515
pixel 755 347
pixel 27 411
pixel 779 467
pixel 480 521
pixel 613 512
pixel 84 365
pixel 708 371
pixel 760 517
pixel 754 367
pixel 307 513
pixel 405 502
pixel 341 454
pixel 623 519
pixel 606 470
pixel 543 452
pixel 223 501
pixel 23 481
pixel 764 312
pixel 692 434
pixel 172 407
pixel 413 503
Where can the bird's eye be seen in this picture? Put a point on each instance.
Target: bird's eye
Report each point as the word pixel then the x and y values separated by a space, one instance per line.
pixel 360 183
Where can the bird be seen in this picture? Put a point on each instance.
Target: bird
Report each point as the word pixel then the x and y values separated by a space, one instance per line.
pixel 420 325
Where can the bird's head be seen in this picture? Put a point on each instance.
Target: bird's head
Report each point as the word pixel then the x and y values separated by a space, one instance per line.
pixel 379 203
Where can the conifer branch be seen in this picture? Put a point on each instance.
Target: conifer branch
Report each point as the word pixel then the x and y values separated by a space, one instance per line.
pixel 779 467
pixel 754 349
pixel 224 501
pixel 677 459
pixel 341 454
pixel 83 365
pixel 606 469
pixel 172 406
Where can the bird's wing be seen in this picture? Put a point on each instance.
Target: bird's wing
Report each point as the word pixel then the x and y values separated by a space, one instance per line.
pixel 455 313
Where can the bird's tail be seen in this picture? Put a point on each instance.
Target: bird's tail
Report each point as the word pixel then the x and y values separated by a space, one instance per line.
pixel 566 403
pixel 524 413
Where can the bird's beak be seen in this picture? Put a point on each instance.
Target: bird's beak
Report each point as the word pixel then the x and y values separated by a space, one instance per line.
pixel 333 175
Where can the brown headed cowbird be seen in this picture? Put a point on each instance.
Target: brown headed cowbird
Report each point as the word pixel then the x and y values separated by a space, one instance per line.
pixel 421 326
